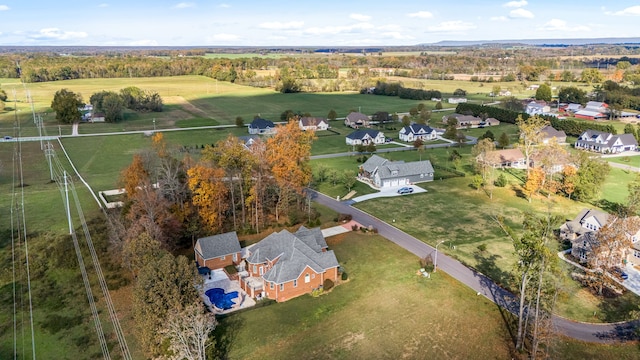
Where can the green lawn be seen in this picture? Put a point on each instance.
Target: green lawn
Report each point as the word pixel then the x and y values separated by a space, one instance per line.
pixel 385 311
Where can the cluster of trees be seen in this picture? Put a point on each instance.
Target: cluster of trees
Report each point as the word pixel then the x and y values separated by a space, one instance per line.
pixel 3 99
pixel 169 201
pixel 619 97
pixel 67 104
pixel 396 89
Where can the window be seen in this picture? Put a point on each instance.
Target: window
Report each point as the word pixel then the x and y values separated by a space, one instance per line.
pixel 235 257
pixel 421 176
pixel 271 285
pixel 313 276
pixel 281 287
pixel 295 283
pixel 306 278
pixel 222 257
pixel 255 269
pixel 261 270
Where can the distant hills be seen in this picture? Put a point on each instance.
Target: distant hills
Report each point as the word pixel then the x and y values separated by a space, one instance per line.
pixel 540 42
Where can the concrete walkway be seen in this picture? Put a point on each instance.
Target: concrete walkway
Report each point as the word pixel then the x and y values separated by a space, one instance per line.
pixel 388 192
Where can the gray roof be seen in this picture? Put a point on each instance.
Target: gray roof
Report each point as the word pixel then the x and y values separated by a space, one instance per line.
pixel 292 255
pixel 417 128
pixel 360 134
pixel 373 163
pixel 591 135
pixel 404 169
pixel 600 216
pixel 356 116
pixel 218 245
pixel 549 132
pixel 312 237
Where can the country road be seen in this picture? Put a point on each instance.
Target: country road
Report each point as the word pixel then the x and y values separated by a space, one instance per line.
pixel 598 333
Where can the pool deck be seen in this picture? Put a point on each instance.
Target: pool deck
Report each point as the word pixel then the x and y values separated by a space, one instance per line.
pixel 219 279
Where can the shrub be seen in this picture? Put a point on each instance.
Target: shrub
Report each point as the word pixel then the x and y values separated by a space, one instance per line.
pixel 316 292
pixel 501 181
pixel 482 247
pixel 344 276
pixel 327 285
pixel 344 217
pixel 354 227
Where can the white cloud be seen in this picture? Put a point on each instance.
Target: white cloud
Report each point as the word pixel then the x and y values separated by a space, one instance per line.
pixel 630 11
pixel 451 26
pixel 360 17
pixel 421 15
pixel 226 6
pixel 4 8
pixel 498 18
pixel 225 37
pixel 520 14
pixel 184 5
pixel 561 25
pixel 277 25
pixel 57 34
pixel 516 4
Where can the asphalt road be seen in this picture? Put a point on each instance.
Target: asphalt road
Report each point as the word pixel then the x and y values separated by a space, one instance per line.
pixel 482 285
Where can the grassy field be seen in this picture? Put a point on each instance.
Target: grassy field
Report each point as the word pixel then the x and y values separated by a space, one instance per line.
pixel 385 311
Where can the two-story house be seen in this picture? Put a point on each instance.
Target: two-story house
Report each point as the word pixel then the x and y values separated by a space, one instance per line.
pixel 285 265
pixel 365 137
pixel 606 143
pixel 383 173
pixel 414 132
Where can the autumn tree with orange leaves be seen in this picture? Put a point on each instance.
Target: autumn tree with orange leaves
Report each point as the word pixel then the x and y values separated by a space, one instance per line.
pixel 288 153
pixel 209 194
pixel 134 176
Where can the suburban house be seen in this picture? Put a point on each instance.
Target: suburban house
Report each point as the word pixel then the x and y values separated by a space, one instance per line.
pixel 606 143
pixel 356 120
pixel 537 108
pixel 261 126
pixel 417 131
pixel 285 265
pixel 507 158
pixel 97 117
pixel 504 93
pixel 218 251
pixel 533 87
pixel 248 140
pixel 383 173
pixel 549 133
pixel 365 137
pixel 313 123
pixel 553 164
pixel 471 121
pixel 582 230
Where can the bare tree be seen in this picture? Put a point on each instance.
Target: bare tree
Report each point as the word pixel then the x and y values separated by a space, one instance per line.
pixel 530 135
pixel 188 332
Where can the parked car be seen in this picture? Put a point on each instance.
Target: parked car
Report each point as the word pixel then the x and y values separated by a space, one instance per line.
pixel 405 190
pixel 7 137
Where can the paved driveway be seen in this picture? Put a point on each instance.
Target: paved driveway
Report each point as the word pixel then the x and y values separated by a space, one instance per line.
pixel 633 282
pixel 388 192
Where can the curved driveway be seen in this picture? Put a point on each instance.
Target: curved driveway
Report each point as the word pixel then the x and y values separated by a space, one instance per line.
pixel 600 333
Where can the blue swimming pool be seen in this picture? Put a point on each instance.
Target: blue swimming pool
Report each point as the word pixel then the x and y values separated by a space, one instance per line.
pixel 220 299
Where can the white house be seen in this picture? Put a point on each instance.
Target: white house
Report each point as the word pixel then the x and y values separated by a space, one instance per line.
pixel 417 131
pixel 365 137
pixel 537 108
pixel 456 100
pixel 262 126
pixel 606 143
pixel 313 123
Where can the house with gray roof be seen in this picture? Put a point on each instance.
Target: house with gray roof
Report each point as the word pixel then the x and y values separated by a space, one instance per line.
pixel 606 143
pixel 356 120
pixel 383 173
pixel 285 265
pixel 548 133
pixel 218 251
pixel 261 126
pixel 313 123
pixel 365 137
pixel 417 131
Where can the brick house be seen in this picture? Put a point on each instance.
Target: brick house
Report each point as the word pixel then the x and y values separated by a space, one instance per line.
pixel 218 251
pixel 285 265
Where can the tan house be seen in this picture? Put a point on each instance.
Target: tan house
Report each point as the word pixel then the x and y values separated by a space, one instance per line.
pixel 507 158
pixel 285 265
pixel 356 120
pixel 471 121
pixel 218 251
pixel 549 133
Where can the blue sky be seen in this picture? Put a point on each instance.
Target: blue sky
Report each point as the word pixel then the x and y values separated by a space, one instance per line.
pixel 306 23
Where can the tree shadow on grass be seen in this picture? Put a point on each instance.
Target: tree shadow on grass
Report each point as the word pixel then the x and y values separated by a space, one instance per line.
pixel 223 336
pixel 505 301
pixel 618 307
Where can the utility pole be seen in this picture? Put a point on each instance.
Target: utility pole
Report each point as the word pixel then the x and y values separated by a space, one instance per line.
pixel 48 152
pixel 66 196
